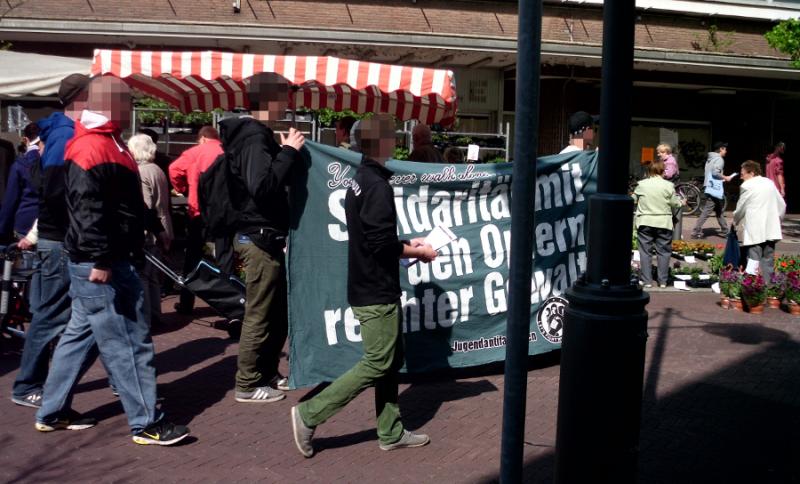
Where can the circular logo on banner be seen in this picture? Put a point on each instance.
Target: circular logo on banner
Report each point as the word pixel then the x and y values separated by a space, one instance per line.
pixel 550 319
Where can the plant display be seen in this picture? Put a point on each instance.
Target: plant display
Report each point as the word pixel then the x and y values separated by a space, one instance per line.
pixel 792 286
pixel 151 118
pixel 730 282
pixel 776 286
pixel 754 290
pixel 400 153
pixel 634 240
pixel 787 263
pixel 682 247
pixel 715 263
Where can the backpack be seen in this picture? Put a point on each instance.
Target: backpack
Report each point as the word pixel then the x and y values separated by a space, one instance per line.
pixel 218 205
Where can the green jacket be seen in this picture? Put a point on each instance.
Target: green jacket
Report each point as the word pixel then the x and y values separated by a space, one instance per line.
pixel 655 198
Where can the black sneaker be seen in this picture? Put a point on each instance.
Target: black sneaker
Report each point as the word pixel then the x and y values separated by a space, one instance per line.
pixel 33 400
pixel 68 420
pixel 186 311
pixel 161 433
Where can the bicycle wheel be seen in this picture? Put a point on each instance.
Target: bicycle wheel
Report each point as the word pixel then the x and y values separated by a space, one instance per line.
pixel 692 195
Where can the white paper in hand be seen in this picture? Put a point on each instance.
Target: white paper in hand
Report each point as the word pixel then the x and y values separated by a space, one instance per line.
pixel 752 266
pixel 438 238
pixel 473 152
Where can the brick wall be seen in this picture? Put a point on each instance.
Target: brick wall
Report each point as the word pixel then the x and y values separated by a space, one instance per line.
pixel 467 18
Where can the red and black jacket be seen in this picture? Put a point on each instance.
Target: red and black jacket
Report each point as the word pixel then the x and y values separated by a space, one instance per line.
pixel 104 198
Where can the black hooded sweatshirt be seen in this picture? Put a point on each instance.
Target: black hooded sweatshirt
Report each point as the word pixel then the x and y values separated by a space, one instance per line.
pixel 265 168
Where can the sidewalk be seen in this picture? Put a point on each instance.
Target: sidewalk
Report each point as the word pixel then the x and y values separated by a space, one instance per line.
pixel 721 404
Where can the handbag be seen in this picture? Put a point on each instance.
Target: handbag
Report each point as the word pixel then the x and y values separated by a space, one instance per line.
pixel 732 250
pixel 714 188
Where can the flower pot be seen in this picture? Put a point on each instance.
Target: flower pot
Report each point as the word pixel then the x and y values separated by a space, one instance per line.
pixel 773 302
pixel 757 309
pixel 725 302
pixel 736 304
pixel 794 308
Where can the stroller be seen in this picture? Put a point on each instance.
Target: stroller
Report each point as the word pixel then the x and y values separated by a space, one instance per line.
pixel 14 310
pixel 223 292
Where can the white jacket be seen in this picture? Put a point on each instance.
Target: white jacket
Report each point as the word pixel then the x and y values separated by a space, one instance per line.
pixel 759 211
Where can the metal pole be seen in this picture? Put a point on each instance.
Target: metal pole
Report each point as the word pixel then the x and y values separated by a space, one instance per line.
pixel 605 329
pixel 526 141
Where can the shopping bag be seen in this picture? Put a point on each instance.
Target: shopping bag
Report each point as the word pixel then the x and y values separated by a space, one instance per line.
pixel 732 250
pixel 715 189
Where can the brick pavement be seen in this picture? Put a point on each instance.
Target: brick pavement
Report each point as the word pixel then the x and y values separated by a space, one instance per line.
pixel 720 405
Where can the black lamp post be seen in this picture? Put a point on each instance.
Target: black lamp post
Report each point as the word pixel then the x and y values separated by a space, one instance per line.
pixel 526 140
pixel 605 329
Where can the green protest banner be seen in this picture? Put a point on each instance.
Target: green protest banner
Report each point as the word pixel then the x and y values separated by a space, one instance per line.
pixel 454 308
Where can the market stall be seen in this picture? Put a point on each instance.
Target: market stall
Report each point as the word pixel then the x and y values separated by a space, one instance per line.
pixel 203 81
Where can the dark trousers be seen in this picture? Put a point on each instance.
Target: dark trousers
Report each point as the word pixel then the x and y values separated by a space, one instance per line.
pixel 764 253
pixel 266 322
pixel 661 239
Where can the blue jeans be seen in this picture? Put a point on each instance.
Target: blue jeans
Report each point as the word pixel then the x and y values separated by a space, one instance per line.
pixel 50 304
pixel 113 315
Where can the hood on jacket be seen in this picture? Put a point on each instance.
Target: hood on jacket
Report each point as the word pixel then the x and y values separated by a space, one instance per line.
pixel 55 131
pixel 236 133
pixel 94 123
pixel 714 156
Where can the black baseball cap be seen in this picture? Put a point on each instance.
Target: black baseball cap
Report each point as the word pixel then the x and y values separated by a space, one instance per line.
pixel 71 86
pixel 581 120
pixel 719 145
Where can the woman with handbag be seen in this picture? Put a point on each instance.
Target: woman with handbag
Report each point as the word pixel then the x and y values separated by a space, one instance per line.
pixel 655 200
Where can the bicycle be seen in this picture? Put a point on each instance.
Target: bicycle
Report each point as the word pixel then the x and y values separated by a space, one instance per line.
pixel 691 192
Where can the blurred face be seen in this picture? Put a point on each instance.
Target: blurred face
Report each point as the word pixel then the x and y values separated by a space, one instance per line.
pixel 110 97
pixel 378 137
pixel 723 151
pixel 662 154
pixel 588 135
pixel 271 95
pixel 746 175
pixel 341 134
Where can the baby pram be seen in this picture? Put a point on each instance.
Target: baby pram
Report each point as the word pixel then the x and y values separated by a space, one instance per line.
pixel 223 292
pixel 14 310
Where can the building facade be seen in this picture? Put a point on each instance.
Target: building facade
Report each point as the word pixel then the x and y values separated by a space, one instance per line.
pixel 703 69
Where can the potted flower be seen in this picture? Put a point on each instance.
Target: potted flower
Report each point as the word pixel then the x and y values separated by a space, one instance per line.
pixel 792 291
pixel 787 263
pixel 754 292
pixel 729 284
pixel 775 289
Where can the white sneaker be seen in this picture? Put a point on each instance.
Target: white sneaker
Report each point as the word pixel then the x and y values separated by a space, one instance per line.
pixel 280 382
pixel 265 394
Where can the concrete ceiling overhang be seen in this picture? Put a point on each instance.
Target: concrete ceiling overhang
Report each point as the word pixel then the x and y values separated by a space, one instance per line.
pixel 437 50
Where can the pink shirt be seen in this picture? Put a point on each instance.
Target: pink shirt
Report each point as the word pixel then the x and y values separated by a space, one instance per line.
pixel 670 168
pixel 184 173
pixel 774 169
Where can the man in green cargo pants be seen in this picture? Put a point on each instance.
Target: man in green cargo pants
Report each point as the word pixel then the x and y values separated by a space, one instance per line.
pixel 373 290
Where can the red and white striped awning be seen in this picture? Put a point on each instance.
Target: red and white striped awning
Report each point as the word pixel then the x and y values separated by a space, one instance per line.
pixel 203 81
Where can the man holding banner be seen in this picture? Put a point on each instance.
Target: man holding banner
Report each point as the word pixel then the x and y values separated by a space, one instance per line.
pixel 373 289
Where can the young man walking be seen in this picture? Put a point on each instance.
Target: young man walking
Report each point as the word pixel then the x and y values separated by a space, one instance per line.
pixel 49 296
pixel 104 239
pixel 261 170
pixel 714 193
pixel 373 289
